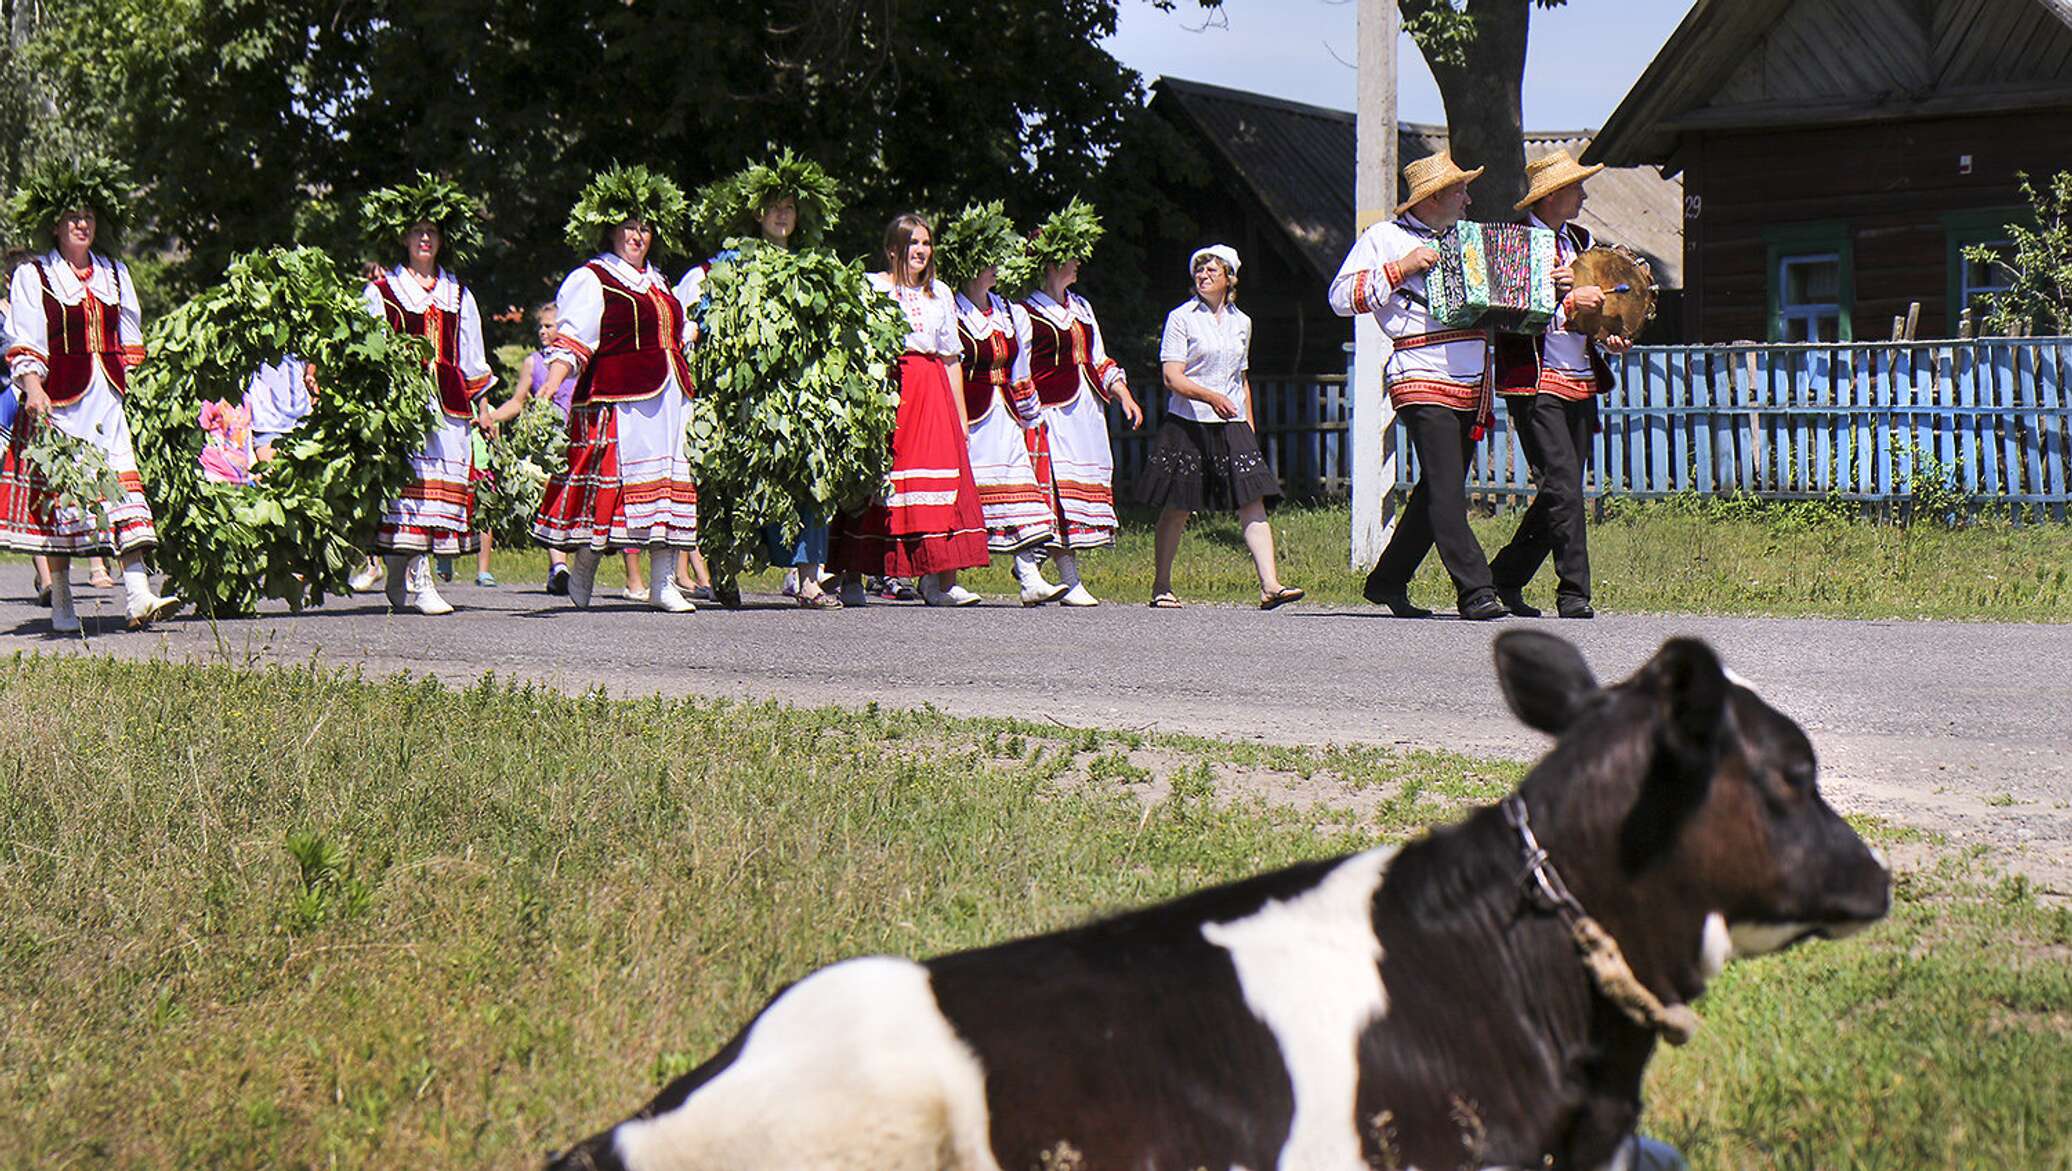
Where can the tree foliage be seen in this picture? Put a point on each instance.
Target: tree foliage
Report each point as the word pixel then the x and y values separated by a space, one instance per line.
pixel 2039 296
pixel 1476 50
pixel 299 530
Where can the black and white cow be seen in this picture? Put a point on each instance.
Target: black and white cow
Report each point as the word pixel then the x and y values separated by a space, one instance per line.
pixel 1401 1007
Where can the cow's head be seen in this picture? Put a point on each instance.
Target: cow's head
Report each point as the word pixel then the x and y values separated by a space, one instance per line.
pixel 1684 811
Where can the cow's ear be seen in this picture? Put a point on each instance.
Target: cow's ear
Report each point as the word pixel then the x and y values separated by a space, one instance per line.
pixel 1694 688
pixel 1545 679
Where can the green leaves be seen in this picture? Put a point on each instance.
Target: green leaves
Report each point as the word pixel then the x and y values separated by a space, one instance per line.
pixel 979 237
pixel 794 411
pixel 628 193
pixel 729 207
pixel 64 183
pixel 76 473
pixel 299 531
pixel 521 458
pixel 2040 293
pixel 390 212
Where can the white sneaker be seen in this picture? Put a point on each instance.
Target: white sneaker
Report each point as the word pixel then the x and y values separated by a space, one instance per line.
pixel 1042 593
pixel 670 600
pixel 1077 596
pixel 420 575
pixel 148 608
pixel 959 596
pixel 430 602
pixel 369 576
pixel 635 594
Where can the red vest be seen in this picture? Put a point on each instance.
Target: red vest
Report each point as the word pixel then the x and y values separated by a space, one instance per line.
pixel 638 344
pixel 988 367
pixel 1060 358
pixel 442 329
pixel 78 336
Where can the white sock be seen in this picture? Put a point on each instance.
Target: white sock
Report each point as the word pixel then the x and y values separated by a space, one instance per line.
pixel 136 583
pixel 61 593
pixel 661 568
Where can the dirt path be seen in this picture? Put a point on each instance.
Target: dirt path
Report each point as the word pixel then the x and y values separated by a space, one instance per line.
pixel 1962 729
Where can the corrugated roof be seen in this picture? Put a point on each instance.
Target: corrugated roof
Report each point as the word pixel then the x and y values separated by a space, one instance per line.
pixel 1297 160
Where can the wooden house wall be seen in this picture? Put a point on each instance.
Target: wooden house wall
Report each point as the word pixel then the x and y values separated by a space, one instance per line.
pixel 1890 183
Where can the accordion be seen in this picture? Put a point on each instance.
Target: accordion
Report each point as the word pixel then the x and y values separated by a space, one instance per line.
pixel 1498 276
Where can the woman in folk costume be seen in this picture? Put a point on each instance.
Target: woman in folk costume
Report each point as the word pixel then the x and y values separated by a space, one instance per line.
pixel 432 219
pixel 928 523
pixel 621 334
pixel 77 332
pixel 1075 380
pixel 787 203
pixel 1020 522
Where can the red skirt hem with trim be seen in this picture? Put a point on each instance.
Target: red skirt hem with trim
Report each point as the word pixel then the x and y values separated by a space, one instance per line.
pixel 929 519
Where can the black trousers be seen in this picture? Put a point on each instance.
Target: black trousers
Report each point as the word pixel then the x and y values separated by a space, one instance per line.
pixel 1556 435
pixel 1437 511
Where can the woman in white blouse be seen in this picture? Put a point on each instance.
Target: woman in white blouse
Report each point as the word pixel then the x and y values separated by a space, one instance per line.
pixel 928 524
pixel 620 333
pixel 1206 455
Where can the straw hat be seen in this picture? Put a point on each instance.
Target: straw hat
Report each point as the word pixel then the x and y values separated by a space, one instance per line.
pixel 1429 176
pixel 1550 173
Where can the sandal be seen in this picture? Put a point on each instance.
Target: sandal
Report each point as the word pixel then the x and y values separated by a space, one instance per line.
pixel 819 600
pixel 1166 600
pixel 1280 597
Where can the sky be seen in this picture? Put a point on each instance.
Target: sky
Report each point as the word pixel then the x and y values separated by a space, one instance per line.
pixel 1580 59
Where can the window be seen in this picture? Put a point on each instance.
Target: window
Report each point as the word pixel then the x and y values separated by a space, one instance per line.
pixel 1812 282
pixel 1809 300
pixel 1971 282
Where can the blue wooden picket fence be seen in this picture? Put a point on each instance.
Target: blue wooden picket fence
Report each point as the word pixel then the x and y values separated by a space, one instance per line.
pixel 1863 422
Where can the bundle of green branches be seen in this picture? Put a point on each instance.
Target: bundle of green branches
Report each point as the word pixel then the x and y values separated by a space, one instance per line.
pixel 302 526
pixel 75 475
pixel 793 417
pixel 509 491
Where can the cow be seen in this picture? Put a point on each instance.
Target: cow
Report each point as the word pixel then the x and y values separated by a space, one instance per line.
pixel 1485 996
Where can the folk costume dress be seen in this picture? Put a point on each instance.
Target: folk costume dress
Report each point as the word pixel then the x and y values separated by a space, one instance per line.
pixel 1017 509
pixel 436 513
pixel 928 519
pixel 627 484
pixel 1550 384
pixel 82 334
pixel 1074 378
pixel 1437 381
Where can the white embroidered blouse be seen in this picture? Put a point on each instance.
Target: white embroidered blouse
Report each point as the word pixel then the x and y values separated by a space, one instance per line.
pixel 931 315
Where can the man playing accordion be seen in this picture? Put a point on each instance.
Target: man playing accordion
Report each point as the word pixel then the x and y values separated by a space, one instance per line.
pixel 1550 383
pixel 1437 381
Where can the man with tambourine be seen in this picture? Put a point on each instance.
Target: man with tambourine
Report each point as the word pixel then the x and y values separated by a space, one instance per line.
pixel 1550 381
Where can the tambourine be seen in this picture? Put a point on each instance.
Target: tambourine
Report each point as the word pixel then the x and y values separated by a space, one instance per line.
pixel 1629 289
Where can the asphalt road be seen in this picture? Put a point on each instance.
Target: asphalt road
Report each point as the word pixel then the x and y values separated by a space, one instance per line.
pixel 1961 728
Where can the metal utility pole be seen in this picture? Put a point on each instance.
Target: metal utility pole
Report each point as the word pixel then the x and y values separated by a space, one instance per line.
pixel 1379 26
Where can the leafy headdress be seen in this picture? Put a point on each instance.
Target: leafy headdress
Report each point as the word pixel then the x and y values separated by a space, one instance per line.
pixel 391 212
pixel 629 193
pixel 59 185
pixel 1069 234
pixel 729 207
pixel 979 236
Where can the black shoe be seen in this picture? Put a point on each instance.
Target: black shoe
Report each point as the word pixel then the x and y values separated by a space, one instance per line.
pixel 1514 601
pixel 1482 607
pixel 557 581
pixel 1397 600
pixel 727 594
pixel 1577 608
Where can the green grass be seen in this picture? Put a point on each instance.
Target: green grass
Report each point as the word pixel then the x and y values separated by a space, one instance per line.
pixel 290 919
pixel 1679 557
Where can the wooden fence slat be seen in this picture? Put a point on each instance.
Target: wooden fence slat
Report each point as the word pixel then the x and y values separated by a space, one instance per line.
pixel 1967 417
pixel 2027 390
pixel 2053 433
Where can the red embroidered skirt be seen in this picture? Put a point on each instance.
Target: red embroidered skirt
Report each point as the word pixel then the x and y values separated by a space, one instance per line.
pixel 627 484
pixel 929 519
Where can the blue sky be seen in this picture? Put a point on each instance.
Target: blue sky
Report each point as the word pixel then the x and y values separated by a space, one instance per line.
pixel 1581 59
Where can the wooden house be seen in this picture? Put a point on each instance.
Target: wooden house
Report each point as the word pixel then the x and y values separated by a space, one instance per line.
pixel 1839 155
pixel 1279 188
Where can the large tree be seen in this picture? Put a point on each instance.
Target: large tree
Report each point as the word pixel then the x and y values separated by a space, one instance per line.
pixel 260 121
pixel 1476 50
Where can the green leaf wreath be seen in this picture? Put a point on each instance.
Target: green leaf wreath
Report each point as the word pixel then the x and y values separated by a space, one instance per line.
pixel 508 493
pixel 979 236
pixel 297 532
pixel 392 211
pixel 793 417
pixel 629 193
pixel 728 208
pixel 1069 234
pixel 59 185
